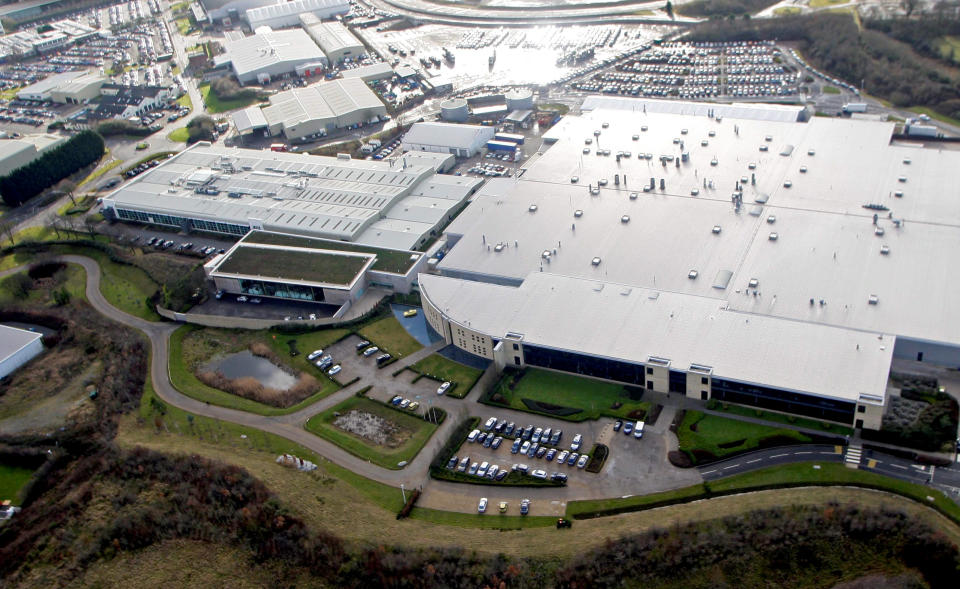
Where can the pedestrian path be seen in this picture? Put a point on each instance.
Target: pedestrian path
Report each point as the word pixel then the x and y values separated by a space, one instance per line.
pixel 853 456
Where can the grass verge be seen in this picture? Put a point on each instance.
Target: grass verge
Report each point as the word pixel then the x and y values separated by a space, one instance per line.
pixel 180 135
pixel 390 336
pixel 708 437
pixel 775 477
pixel 923 110
pixel 419 432
pixel 12 479
pixel 831 90
pixel 461 377
pixel 824 426
pixel 99 172
pixel 216 104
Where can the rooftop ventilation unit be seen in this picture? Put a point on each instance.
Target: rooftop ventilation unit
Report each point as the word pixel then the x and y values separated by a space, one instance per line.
pixel 898 193
pixel 533 208
pixel 634 195
pixel 803 169
pixel 712 133
pixel 787 184
pixel 874 299
pixel 704 143
pixel 716 229
pixel 878 231
pixel 545 255
pixel 902 179
pixel 753 283
pixel 752 166
pixel 658 361
pixel 906 161
pixel 683 131
pixel 701 369
pixel 713 162
pixel 768 138
pixel 773 236
pixel 498 247
pixel 578 213
pixel 694 191
pixel 764 147
pixel 692 275
pixel 772 219
pixel 884 250
pixel 643 128
pixel 625 219
pixel 811 152
pixel 595 261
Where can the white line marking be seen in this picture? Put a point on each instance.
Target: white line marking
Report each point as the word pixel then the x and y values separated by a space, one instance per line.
pixel 779 455
pixel 708 471
pixel 899 466
pixel 752 461
pixel 803 452
pixel 731 466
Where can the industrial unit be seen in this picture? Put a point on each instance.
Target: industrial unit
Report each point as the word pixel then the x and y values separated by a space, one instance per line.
pixel 729 252
pixel 265 56
pixel 399 204
pixel 337 42
pixel 287 14
pixel 16 153
pixel 17 347
pixel 459 140
pixel 313 111
pixel 66 88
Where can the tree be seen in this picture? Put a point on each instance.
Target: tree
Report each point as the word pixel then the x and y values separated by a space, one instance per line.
pixel 669 8
pixel 200 129
pixel 67 187
pixel 21 285
pixel 909 6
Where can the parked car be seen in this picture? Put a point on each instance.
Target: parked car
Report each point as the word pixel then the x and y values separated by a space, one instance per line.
pixel 492 471
pixel 473 468
pixel 488 441
pixel 371 351
pixel 362 344
pixel 515 447
pixel 617 425
pixel 482 437
pixel 452 463
pixel 482 471
pixel 583 461
pixel 521 468
pixel 524 507
pixel 528 433
pixel 405 403
pixel 502 475
pixel 472 437
pixel 551 454
pixel 559 477
pixel 500 425
pixel 443 388
pixel 503 507
pixel 525 448
pixel 572 459
pixel 628 428
pixel 241 299
pixel 638 430
pixel 545 436
pixel 396 400
pixel 464 462
pixel 508 431
pixel 533 450
pixel 541 451
pixel 563 457
pixel 496 442
pixel 314 355
pixel 410 313
pixel 482 506
pixel 490 423
pixel 413 406
pixel 555 437
pixel 539 474
pixel 577 441
pixel 382 358
pixel 536 435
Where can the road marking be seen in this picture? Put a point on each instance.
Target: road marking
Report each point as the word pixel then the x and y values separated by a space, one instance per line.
pixel 708 471
pixel 803 452
pixel 752 461
pixel 779 455
pixel 731 466
pixel 838 449
pixel 899 466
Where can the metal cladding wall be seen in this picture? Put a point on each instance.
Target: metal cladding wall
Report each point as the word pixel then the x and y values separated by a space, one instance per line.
pixel 455 110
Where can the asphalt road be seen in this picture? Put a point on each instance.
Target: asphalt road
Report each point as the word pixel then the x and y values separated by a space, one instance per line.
pixel 770 457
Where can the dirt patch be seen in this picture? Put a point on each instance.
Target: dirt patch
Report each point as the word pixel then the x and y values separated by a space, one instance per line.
pixel 372 428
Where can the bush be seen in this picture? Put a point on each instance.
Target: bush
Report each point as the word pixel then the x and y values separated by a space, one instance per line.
pixel 597 457
pixel 408 506
pixel 549 408
pixel 679 459
pixel 79 151
pixel 200 128
pixel 453 443
pixel 114 127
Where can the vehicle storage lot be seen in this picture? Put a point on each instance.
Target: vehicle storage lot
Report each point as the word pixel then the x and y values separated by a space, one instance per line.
pixel 353 365
pixel 424 391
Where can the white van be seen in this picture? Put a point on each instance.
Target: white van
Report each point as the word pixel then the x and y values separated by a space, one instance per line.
pixel 638 430
pixel 473 436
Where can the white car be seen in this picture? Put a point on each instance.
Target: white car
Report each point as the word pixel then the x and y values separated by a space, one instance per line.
pixel 490 423
pixel 482 506
pixel 577 441
pixel 539 474
pixel 482 471
pixel 563 457
pixel 443 388
pixel 473 436
pixel 525 448
pixel 583 461
pixel 335 370
pixel 314 355
pixel 638 430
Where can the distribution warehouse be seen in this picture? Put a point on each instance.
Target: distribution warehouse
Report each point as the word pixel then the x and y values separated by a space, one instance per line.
pixel 460 140
pixel 399 204
pixel 271 54
pixel 729 252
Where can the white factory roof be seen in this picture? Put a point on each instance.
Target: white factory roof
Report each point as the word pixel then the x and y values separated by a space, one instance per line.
pixel 248 119
pixel 293 193
pixel 374 71
pixel 323 100
pixel 785 113
pixel 50 83
pixel 631 324
pixel 281 9
pixel 447 134
pixel 332 36
pixel 13 339
pixel 263 50
pixel 826 246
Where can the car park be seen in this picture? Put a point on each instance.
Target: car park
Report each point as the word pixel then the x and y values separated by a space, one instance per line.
pixel 482 506
pixel 582 461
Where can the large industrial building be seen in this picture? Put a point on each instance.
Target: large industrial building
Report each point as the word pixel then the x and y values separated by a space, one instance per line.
pixel 16 153
pixel 459 140
pixel 17 347
pixel 400 204
pixel 269 55
pixel 728 252
pixel 232 9
pixel 302 113
pixel 65 88
pixel 287 14
pixel 337 42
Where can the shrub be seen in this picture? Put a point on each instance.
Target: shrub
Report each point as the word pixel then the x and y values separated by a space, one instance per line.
pixel 549 408
pixel 408 506
pixel 679 459
pixel 200 128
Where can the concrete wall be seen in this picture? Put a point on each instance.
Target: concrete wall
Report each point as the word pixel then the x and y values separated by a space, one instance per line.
pixel 940 354
pixel 471 340
pixel 658 377
pixel 21 357
pixel 21 154
pixel 696 387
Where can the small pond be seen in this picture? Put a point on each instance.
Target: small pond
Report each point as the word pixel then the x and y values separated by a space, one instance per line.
pixel 244 364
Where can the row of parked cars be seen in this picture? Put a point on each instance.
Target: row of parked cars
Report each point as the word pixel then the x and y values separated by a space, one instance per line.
pixel 404 403
pixel 324 362
pixel 524 506
pixel 367 350
pixel 629 427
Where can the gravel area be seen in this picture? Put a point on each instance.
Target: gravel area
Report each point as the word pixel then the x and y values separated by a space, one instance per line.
pixel 373 428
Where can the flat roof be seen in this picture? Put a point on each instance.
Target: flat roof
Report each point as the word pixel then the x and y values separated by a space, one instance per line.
pixel 393 261
pixel 621 322
pixel 448 134
pixel 290 264
pixel 249 119
pixel 282 9
pixel 50 83
pixel 374 71
pixel 826 245
pixel 332 36
pixel 13 339
pixel 262 50
pixel 293 193
pixel 323 100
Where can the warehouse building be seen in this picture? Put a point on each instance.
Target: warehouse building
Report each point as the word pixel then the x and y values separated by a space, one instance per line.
pixel 312 111
pixel 270 55
pixel 458 140
pixel 744 256
pixel 17 347
pixel 232 9
pixel 287 14
pixel 16 153
pixel 337 42
pixel 369 73
pixel 66 88
pixel 399 204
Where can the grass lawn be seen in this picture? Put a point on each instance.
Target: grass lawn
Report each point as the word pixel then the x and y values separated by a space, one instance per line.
pixel 720 436
pixel 185 100
pixel 798 474
pixel 389 335
pixel 594 398
pixel 420 432
pixel 216 105
pixel 180 135
pixel 825 3
pixel 395 261
pixel 305 343
pixel 461 376
pixel 831 90
pixel 825 426
pixel 125 287
pixel 786 11
pixel 12 479
pixel 315 266
pixel 183 378
pixel 100 171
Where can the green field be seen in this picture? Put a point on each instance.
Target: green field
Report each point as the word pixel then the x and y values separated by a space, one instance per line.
pixel 12 479
pixel 804 422
pixel 831 90
pixel 789 475
pixel 786 11
pixel 305 343
pixel 315 266
pixel 594 398
pixel 719 436
pixel 217 105
pixel 389 335
pixel 419 432
pixel 461 376
pixel 186 382
pixel 395 261
pixel 949 48
pixel 185 100
pixel 825 3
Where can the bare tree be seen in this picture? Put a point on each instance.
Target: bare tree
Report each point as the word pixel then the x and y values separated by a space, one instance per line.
pixel 91 224
pixel 6 228
pixel 67 187
pixel 909 6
